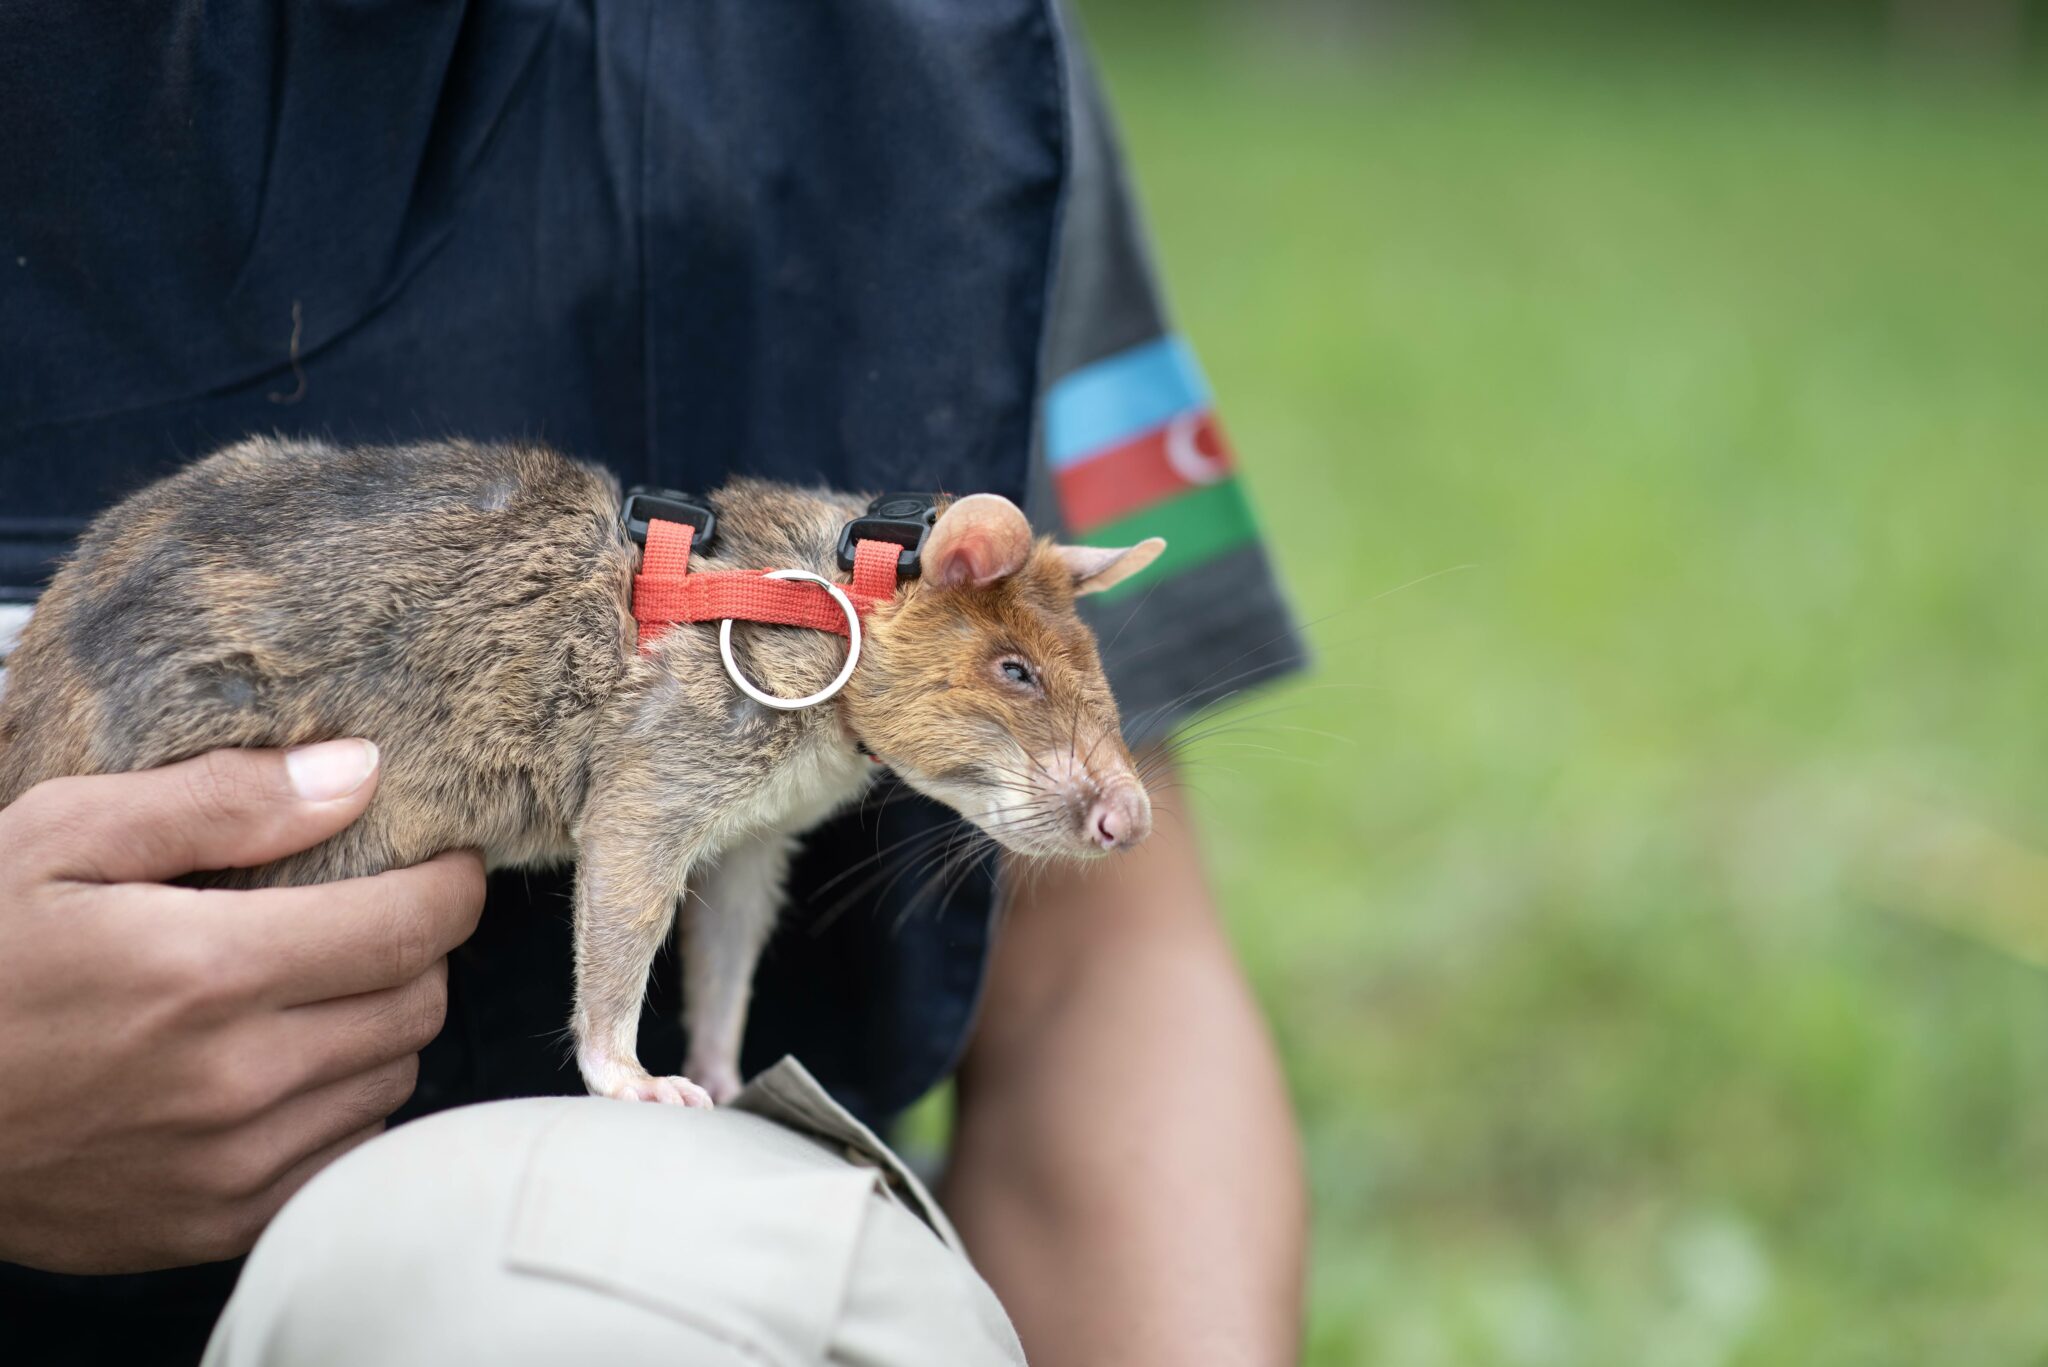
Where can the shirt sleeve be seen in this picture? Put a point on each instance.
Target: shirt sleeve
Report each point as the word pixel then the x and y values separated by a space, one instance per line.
pixel 1129 446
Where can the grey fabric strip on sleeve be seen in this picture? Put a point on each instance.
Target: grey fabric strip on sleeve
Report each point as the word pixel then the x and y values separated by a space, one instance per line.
pixel 1105 295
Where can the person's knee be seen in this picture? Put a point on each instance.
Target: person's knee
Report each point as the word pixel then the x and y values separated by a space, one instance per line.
pixel 541 1229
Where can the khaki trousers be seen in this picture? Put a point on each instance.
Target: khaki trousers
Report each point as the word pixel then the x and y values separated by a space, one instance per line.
pixel 776 1230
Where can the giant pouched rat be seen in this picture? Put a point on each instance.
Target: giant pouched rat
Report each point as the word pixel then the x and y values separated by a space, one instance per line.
pixel 466 607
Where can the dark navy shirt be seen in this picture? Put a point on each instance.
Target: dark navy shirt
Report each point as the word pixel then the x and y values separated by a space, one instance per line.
pixel 877 245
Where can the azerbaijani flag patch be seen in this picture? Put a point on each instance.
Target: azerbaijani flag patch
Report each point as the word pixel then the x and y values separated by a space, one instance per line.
pixel 1136 451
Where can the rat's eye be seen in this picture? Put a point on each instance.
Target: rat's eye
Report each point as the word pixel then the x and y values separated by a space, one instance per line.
pixel 1017 672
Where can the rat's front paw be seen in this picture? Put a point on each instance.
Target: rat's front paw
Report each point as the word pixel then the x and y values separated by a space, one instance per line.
pixel 622 1081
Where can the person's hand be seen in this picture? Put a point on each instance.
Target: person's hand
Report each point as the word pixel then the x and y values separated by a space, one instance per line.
pixel 175 1062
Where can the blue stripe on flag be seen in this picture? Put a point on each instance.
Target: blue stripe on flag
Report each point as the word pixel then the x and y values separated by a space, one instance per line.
pixel 1108 402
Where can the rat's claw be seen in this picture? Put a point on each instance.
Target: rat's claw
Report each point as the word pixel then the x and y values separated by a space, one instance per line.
pixel 673 1091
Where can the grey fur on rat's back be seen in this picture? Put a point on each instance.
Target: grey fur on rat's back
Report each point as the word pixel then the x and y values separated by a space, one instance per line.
pixel 467 607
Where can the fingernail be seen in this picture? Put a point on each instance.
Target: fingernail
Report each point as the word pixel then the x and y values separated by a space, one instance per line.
pixel 331 769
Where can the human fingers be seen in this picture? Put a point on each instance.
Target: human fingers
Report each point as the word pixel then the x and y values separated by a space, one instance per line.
pixel 265 1058
pixel 222 810
pixel 328 940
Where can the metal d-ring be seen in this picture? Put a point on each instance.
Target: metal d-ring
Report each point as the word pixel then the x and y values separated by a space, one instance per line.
pixel 824 694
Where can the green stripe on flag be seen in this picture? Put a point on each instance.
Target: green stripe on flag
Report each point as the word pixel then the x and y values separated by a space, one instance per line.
pixel 1198 525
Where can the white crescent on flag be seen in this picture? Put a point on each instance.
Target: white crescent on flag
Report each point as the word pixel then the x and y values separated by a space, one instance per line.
pixel 1185 454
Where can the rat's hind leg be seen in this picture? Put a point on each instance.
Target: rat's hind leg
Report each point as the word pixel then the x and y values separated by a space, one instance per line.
pixel 622 915
pixel 727 917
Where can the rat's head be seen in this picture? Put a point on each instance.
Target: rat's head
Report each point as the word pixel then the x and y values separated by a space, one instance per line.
pixel 982 687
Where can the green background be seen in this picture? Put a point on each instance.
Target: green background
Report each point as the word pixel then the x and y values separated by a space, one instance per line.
pixel 1652 425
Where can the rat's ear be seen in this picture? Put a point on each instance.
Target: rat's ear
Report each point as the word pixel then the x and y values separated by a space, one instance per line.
pixel 1096 568
pixel 976 541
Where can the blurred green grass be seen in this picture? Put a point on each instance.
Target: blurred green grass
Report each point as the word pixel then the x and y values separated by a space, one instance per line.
pixel 1657 436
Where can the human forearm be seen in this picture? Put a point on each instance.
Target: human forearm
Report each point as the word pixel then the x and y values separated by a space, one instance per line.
pixel 1126 1170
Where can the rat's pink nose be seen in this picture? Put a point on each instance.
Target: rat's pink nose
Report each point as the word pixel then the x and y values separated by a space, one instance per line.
pixel 1120 817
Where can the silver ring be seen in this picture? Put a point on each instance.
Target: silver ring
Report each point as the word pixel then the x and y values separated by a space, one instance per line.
pixel 824 694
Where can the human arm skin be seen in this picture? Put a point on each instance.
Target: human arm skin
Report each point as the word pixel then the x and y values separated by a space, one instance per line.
pixel 1126 1168
pixel 174 1061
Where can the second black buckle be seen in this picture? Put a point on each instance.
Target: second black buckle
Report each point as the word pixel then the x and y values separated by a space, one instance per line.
pixel 901 520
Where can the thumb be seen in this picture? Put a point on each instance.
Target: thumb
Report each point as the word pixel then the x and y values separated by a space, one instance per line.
pixel 230 809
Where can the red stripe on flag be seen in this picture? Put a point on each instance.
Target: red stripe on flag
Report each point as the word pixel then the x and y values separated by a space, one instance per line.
pixel 1184 454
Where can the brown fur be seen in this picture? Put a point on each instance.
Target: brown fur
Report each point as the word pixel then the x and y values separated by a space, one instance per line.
pixel 466 607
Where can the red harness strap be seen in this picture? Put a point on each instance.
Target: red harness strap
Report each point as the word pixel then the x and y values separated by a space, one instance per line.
pixel 665 592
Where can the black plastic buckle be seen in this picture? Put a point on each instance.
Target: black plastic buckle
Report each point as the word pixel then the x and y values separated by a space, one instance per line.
pixel 900 519
pixel 645 504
